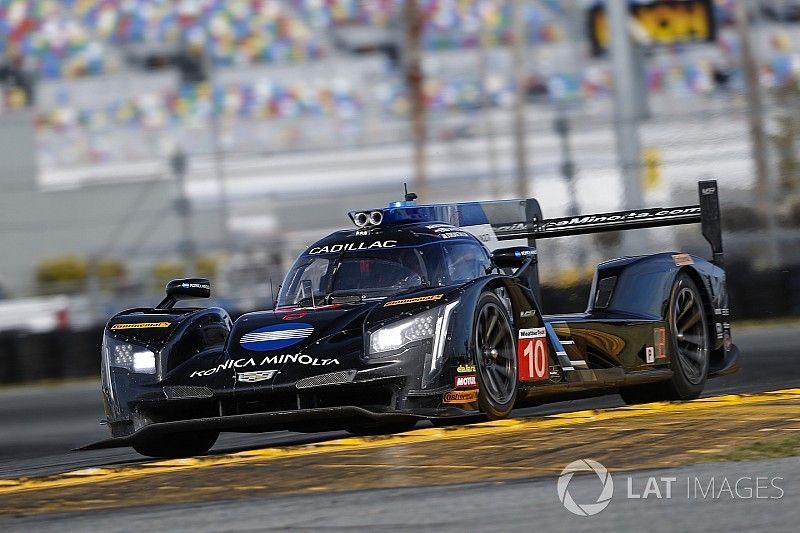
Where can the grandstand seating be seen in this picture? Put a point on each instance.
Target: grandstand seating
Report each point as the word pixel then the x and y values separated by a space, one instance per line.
pixel 73 38
pixel 60 40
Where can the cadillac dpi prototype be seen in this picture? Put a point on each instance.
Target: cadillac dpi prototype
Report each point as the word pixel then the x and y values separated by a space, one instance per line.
pixel 410 316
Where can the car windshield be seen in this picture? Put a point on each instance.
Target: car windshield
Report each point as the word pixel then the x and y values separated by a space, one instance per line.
pixel 350 277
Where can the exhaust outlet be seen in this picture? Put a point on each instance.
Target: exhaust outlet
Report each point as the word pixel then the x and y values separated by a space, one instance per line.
pixel 361 219
pixel 375 218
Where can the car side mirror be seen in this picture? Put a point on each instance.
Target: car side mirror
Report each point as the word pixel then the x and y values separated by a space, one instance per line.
pixel 185 289
pixel 514 257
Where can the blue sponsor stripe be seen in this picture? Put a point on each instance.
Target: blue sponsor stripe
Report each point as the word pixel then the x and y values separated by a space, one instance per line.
pixel 276 336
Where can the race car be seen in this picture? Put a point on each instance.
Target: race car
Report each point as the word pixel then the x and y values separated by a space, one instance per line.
pixel 419 313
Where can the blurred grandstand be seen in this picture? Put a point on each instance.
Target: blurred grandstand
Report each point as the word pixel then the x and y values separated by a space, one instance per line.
pixel 290 112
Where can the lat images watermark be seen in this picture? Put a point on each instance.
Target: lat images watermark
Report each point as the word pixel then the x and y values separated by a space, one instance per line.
pixel 594 498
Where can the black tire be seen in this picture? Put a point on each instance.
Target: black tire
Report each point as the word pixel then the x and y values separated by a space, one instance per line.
pixel 689 340
pixel 689 336
pixel 382 429
pixel 178 444
pixel 495 357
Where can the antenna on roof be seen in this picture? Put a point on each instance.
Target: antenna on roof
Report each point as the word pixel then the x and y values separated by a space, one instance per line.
pixel 410 196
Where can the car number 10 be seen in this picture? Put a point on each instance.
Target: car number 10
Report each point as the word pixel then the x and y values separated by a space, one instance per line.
pixel 532 354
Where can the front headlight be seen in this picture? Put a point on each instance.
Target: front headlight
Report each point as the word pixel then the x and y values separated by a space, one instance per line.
pixel 395 336
pixel 431 325
pixel 131 357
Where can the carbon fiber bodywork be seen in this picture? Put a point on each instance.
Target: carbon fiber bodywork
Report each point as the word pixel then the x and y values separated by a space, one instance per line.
pixel 312 369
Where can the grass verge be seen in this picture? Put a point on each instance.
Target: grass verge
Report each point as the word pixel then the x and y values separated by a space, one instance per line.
pixel 761 449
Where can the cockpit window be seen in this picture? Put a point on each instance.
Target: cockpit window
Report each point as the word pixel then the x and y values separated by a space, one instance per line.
pixel 374 274
pixel 319 280
pixel 363 274
pixel 465 261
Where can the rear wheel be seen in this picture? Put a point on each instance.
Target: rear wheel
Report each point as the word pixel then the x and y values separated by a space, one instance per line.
pixel 689 338
pixel 177 444
pixel 495 357
pixel 688 328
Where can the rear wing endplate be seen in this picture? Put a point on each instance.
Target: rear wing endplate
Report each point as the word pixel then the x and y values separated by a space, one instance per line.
pixel 706 213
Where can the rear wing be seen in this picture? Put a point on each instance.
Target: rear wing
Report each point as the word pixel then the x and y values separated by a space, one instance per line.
pixel 706 213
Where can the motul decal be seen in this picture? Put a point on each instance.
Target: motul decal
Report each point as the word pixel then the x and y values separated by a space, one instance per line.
pixel 466 382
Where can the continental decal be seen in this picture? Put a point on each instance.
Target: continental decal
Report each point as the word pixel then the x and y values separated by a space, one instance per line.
pixel 461 396
pixel 682 259
pixel 141 325
pixel 418 299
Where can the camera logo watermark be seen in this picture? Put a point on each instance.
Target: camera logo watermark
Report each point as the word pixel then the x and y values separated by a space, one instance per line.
pixel 606 487
pixel 640 488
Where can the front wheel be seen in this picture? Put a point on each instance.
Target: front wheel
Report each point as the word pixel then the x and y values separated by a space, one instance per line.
pixel 177 444
pixel 495 356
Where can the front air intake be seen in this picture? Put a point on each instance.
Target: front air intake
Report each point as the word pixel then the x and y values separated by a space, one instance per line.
pixel 176 392
pixel 334 378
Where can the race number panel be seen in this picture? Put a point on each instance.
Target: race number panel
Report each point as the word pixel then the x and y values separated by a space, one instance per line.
pixel 532 354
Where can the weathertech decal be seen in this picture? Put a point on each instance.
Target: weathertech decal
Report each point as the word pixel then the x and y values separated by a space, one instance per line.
pixel 459 396
pixel 466 382
pixel 418 299
pixel 141 325
pixel 532 354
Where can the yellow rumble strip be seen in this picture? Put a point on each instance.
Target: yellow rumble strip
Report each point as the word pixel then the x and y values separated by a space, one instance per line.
pixel 557 422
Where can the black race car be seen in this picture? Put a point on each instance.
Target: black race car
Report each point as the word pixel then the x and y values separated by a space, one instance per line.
pixel 409 316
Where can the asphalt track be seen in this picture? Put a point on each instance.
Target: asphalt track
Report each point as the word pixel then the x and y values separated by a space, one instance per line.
pixel 483 475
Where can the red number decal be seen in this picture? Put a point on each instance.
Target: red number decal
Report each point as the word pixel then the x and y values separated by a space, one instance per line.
pixel 532 355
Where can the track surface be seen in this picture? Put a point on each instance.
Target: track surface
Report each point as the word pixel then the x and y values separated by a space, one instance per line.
pixel 517 506
pixel 40 424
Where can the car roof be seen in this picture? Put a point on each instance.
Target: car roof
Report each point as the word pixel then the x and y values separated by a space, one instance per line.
pixel 389 236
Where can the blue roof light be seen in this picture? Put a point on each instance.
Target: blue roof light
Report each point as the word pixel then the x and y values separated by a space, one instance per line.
pixel 463 214
pixel 402 204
